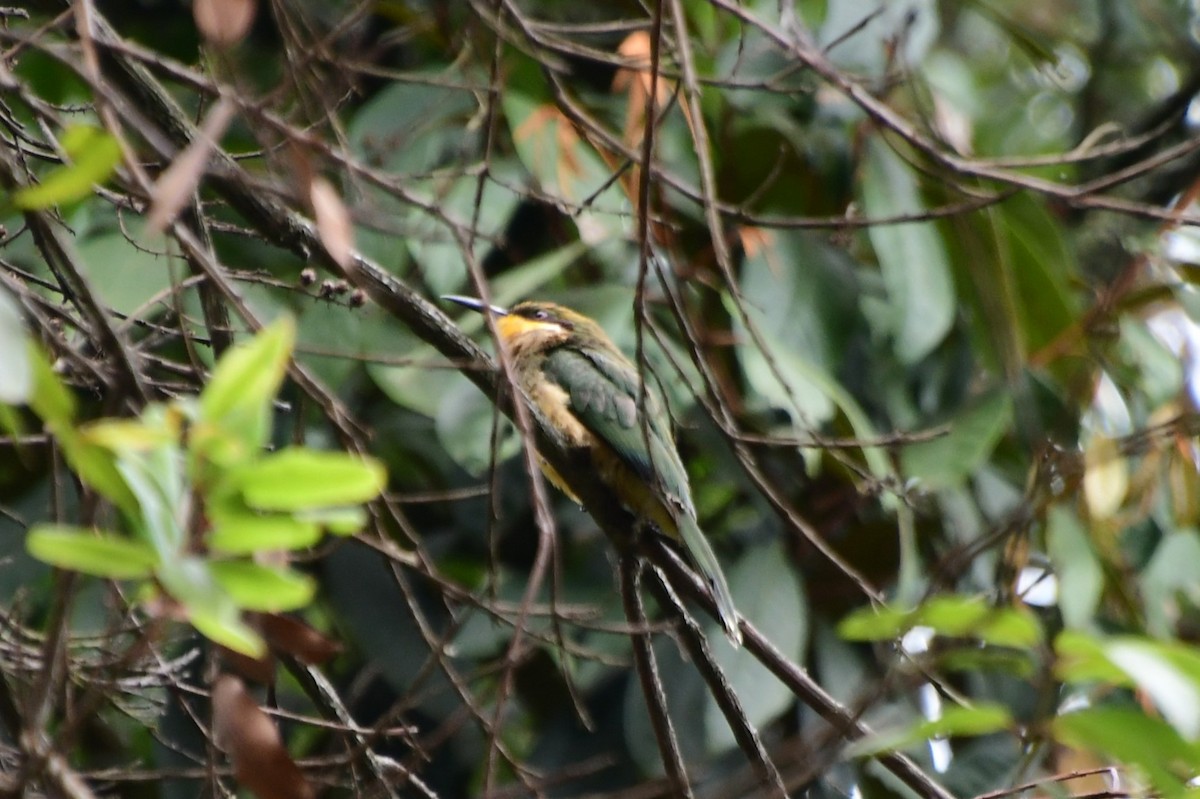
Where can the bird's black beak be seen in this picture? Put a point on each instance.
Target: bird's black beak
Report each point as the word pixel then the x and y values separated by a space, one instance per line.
pixel 475 304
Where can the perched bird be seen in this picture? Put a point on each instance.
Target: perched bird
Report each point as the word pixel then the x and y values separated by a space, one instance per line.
pixel 592 394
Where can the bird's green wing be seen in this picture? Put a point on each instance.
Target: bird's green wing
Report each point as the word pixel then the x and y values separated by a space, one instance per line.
pixel 603 389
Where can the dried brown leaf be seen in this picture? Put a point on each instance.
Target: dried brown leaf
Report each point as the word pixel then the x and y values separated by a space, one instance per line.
pixel 333 221
pixel 224 22
pixel 286 634
pixel 178 181
pixel 260 761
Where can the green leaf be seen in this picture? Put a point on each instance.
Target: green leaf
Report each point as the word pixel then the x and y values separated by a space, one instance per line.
pixel 339 521
pixel 875 624
pixel 767 590
pixel 1167 672
pixel 1131 737
pixel 465 420
pixel 951 459
pixel 565 164
pixel 209 607
pixel 912 256
pixel 1016 627
pixel 971 616
pixel 16 369
pixel 94 155
pixel 229 631
pixel 97 468
pixel 245 533
pixel 50 399
pixel 156 478
pixel 126 276
pixel 1080 658
pixel 105 554
pixel 980 719
pixel 807 315
pixel 237 400
pixel 1079 572
pixel 263 588
pixel 951 615
pixel 1173 570
pixel 299 479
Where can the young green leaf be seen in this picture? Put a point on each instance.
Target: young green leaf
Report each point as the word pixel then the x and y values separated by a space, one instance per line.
pixel 875 624
pixel 229 631
pixel 337 520
pixel 237 399
pixel 101 554
pixel 210 608
pixel 50 398
pixel 97 468
pixel 299 479
pixel 263 588
pixel 979 719
pixel 245 533
pixel 94 157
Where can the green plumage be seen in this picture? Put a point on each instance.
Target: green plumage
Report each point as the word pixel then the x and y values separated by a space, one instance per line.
pixel 605 396
pixel 593 395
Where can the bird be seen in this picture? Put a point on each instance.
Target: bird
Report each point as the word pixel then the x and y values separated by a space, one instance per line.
pixel 594 397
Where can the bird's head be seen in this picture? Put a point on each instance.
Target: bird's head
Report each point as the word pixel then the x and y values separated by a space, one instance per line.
pixel 533 325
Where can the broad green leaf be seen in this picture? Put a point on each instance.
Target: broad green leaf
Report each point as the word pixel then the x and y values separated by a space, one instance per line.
pixel 564 163
pixel 951 459
pixel 875 624
pixel 465 420
pixel 16 368
pixel 263 588
pixel 802 377
pixel 209 607
pixel 156 478
pixel 951 615
pixel 1080 658
pixel 980 719
pixel 1166 671
pixel 50 399
pixel 413 127
pixel 94 157
pixel 245 533
pixel 336 520
pixel 1079 572
pixel 435 249
pixel 229 631
pixel 1039 265
pixel 897 30
pixel 129 434
pixel 97 468
pixel 109 555
pixel 237 400
pixel 912 256
pixel 1173 570
pixel 131 279
pixel 299 479
pixel 1016 627
pixel 766 590
pixel 806 312
pixel 1133 738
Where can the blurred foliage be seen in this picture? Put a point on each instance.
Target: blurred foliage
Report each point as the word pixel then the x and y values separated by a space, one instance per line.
pixel 933 375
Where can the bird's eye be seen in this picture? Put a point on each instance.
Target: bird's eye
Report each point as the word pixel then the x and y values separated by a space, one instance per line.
pixel 541 315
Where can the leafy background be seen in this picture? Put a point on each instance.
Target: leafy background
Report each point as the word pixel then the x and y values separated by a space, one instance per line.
pixel 917 279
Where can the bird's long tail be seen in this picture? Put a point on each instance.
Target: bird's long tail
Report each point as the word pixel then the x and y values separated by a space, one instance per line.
pixel 705 560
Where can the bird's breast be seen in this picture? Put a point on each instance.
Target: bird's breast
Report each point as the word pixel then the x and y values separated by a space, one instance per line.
pixel 555 404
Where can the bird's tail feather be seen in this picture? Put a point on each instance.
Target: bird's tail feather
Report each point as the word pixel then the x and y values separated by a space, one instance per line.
pixel 705 560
